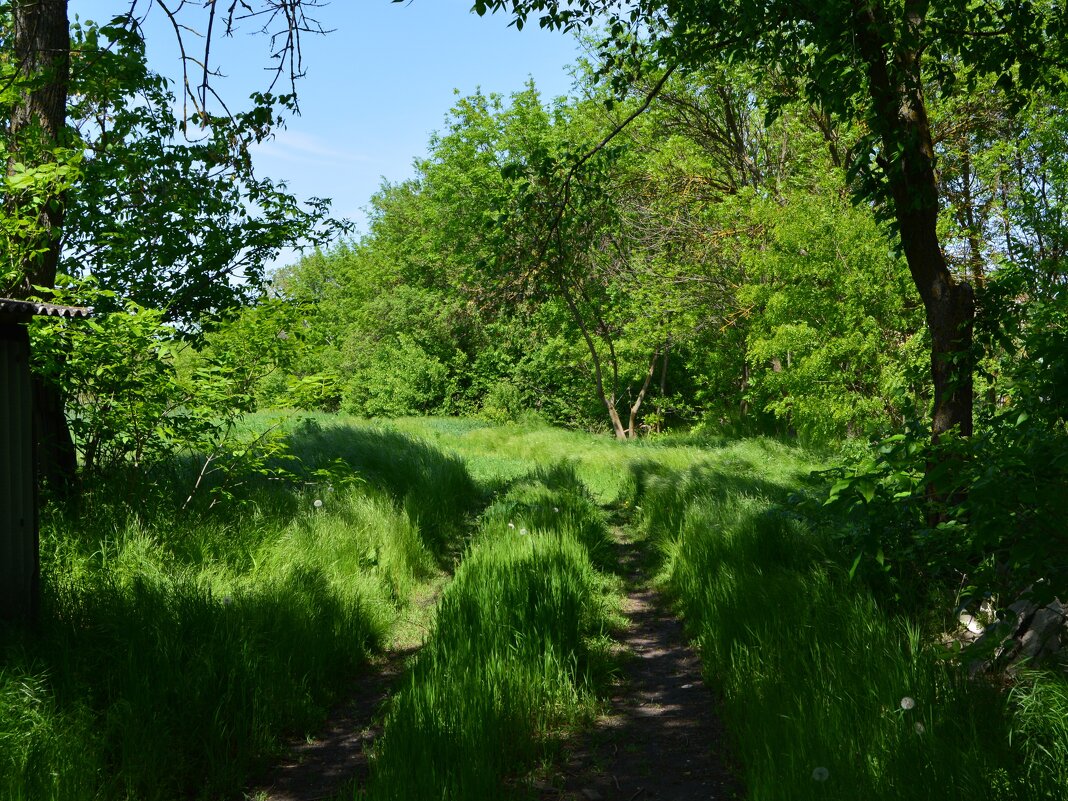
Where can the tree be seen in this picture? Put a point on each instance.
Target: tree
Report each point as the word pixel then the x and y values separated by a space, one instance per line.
pixel 870 62
pixel 38 171
pixel 39 147
pixel 176 223
pixel 36 79
pixel 43 154
pixel 502 180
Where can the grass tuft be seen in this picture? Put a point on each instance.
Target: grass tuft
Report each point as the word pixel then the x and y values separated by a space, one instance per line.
pixel 515 656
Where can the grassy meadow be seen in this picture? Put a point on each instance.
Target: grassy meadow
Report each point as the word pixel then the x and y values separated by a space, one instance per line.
pixel 179 649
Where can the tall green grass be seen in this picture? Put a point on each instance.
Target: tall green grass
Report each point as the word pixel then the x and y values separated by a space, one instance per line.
pixel 433 486
pixel 824 694
pixel 499 455
pixel 177 652
pixel 516 654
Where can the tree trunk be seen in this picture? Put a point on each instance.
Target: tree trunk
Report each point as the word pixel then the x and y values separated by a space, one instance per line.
pixel 632 422
pixel 613 415
pixel 38 124
pixel 900 119
pixel 608 399
pixel 37 128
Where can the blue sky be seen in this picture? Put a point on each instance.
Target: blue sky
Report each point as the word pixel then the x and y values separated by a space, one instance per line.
pixel 375 87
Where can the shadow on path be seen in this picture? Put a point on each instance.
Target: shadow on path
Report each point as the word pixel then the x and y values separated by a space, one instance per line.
pixel 661 737
pixel 338 757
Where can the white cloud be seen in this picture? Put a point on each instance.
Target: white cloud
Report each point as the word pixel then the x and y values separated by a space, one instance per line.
pixel 304 148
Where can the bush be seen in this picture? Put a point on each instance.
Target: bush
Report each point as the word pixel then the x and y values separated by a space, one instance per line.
pixel 394 379
pixel 503 403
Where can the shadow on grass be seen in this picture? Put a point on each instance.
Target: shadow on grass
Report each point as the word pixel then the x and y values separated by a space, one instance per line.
pixel 141 683
pixel 156 689
pixel 664 495
pixel 435 488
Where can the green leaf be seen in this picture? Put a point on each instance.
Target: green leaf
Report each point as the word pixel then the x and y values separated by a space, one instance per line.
pixel 856 563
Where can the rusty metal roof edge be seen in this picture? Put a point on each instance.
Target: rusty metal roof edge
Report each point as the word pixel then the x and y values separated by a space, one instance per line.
pixel 12 306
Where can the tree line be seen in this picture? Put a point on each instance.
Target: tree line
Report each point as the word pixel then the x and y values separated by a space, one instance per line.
pixel 833 220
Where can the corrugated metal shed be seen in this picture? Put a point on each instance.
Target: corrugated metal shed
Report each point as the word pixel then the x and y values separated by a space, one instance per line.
pixel 19 547
pixel 29 308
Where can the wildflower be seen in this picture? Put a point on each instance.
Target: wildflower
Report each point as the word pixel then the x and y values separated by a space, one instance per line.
pixel 318 504
pixel 919 727
pixel 908 703
pixel 820 774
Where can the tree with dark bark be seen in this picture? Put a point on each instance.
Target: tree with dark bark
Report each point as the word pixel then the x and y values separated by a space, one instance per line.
pixel 36 139
pixel 36 128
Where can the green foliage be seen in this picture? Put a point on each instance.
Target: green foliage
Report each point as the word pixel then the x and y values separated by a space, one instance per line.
pixel 26 189
pixel 394 379
pixel 983 522
pixel 119 368
pixel 830 336
pixel 512 657
pixel 141 403
pixel 503 403
pixel 727 271
pixel 172 219
pixel 986 519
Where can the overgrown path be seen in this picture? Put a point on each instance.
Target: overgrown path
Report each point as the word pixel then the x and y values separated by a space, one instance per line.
pixel 661 737
pixel 320 767
pixel 338 756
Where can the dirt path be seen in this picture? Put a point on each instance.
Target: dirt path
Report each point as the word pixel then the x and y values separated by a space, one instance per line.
pixel 321 767
pixel 661 737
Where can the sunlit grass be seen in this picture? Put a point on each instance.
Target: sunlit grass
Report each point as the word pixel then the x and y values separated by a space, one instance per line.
pixel 516 653
pixel 825 695
pixel 496 455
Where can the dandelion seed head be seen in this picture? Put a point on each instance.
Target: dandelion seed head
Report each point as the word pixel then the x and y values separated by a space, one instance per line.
pixel 318 504
pixel 820 774
pixel 511 525
pixel 522 531
pixel 556 508
pixel 228 601
pixel 919 727
pixel 908 703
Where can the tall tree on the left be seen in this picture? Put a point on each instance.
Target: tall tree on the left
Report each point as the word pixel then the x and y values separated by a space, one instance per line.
pixel 36 137
pixel 214 196
pixel 40 77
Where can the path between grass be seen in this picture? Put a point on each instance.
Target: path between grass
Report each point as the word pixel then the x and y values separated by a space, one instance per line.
pixel 661 737
pixel 323 766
